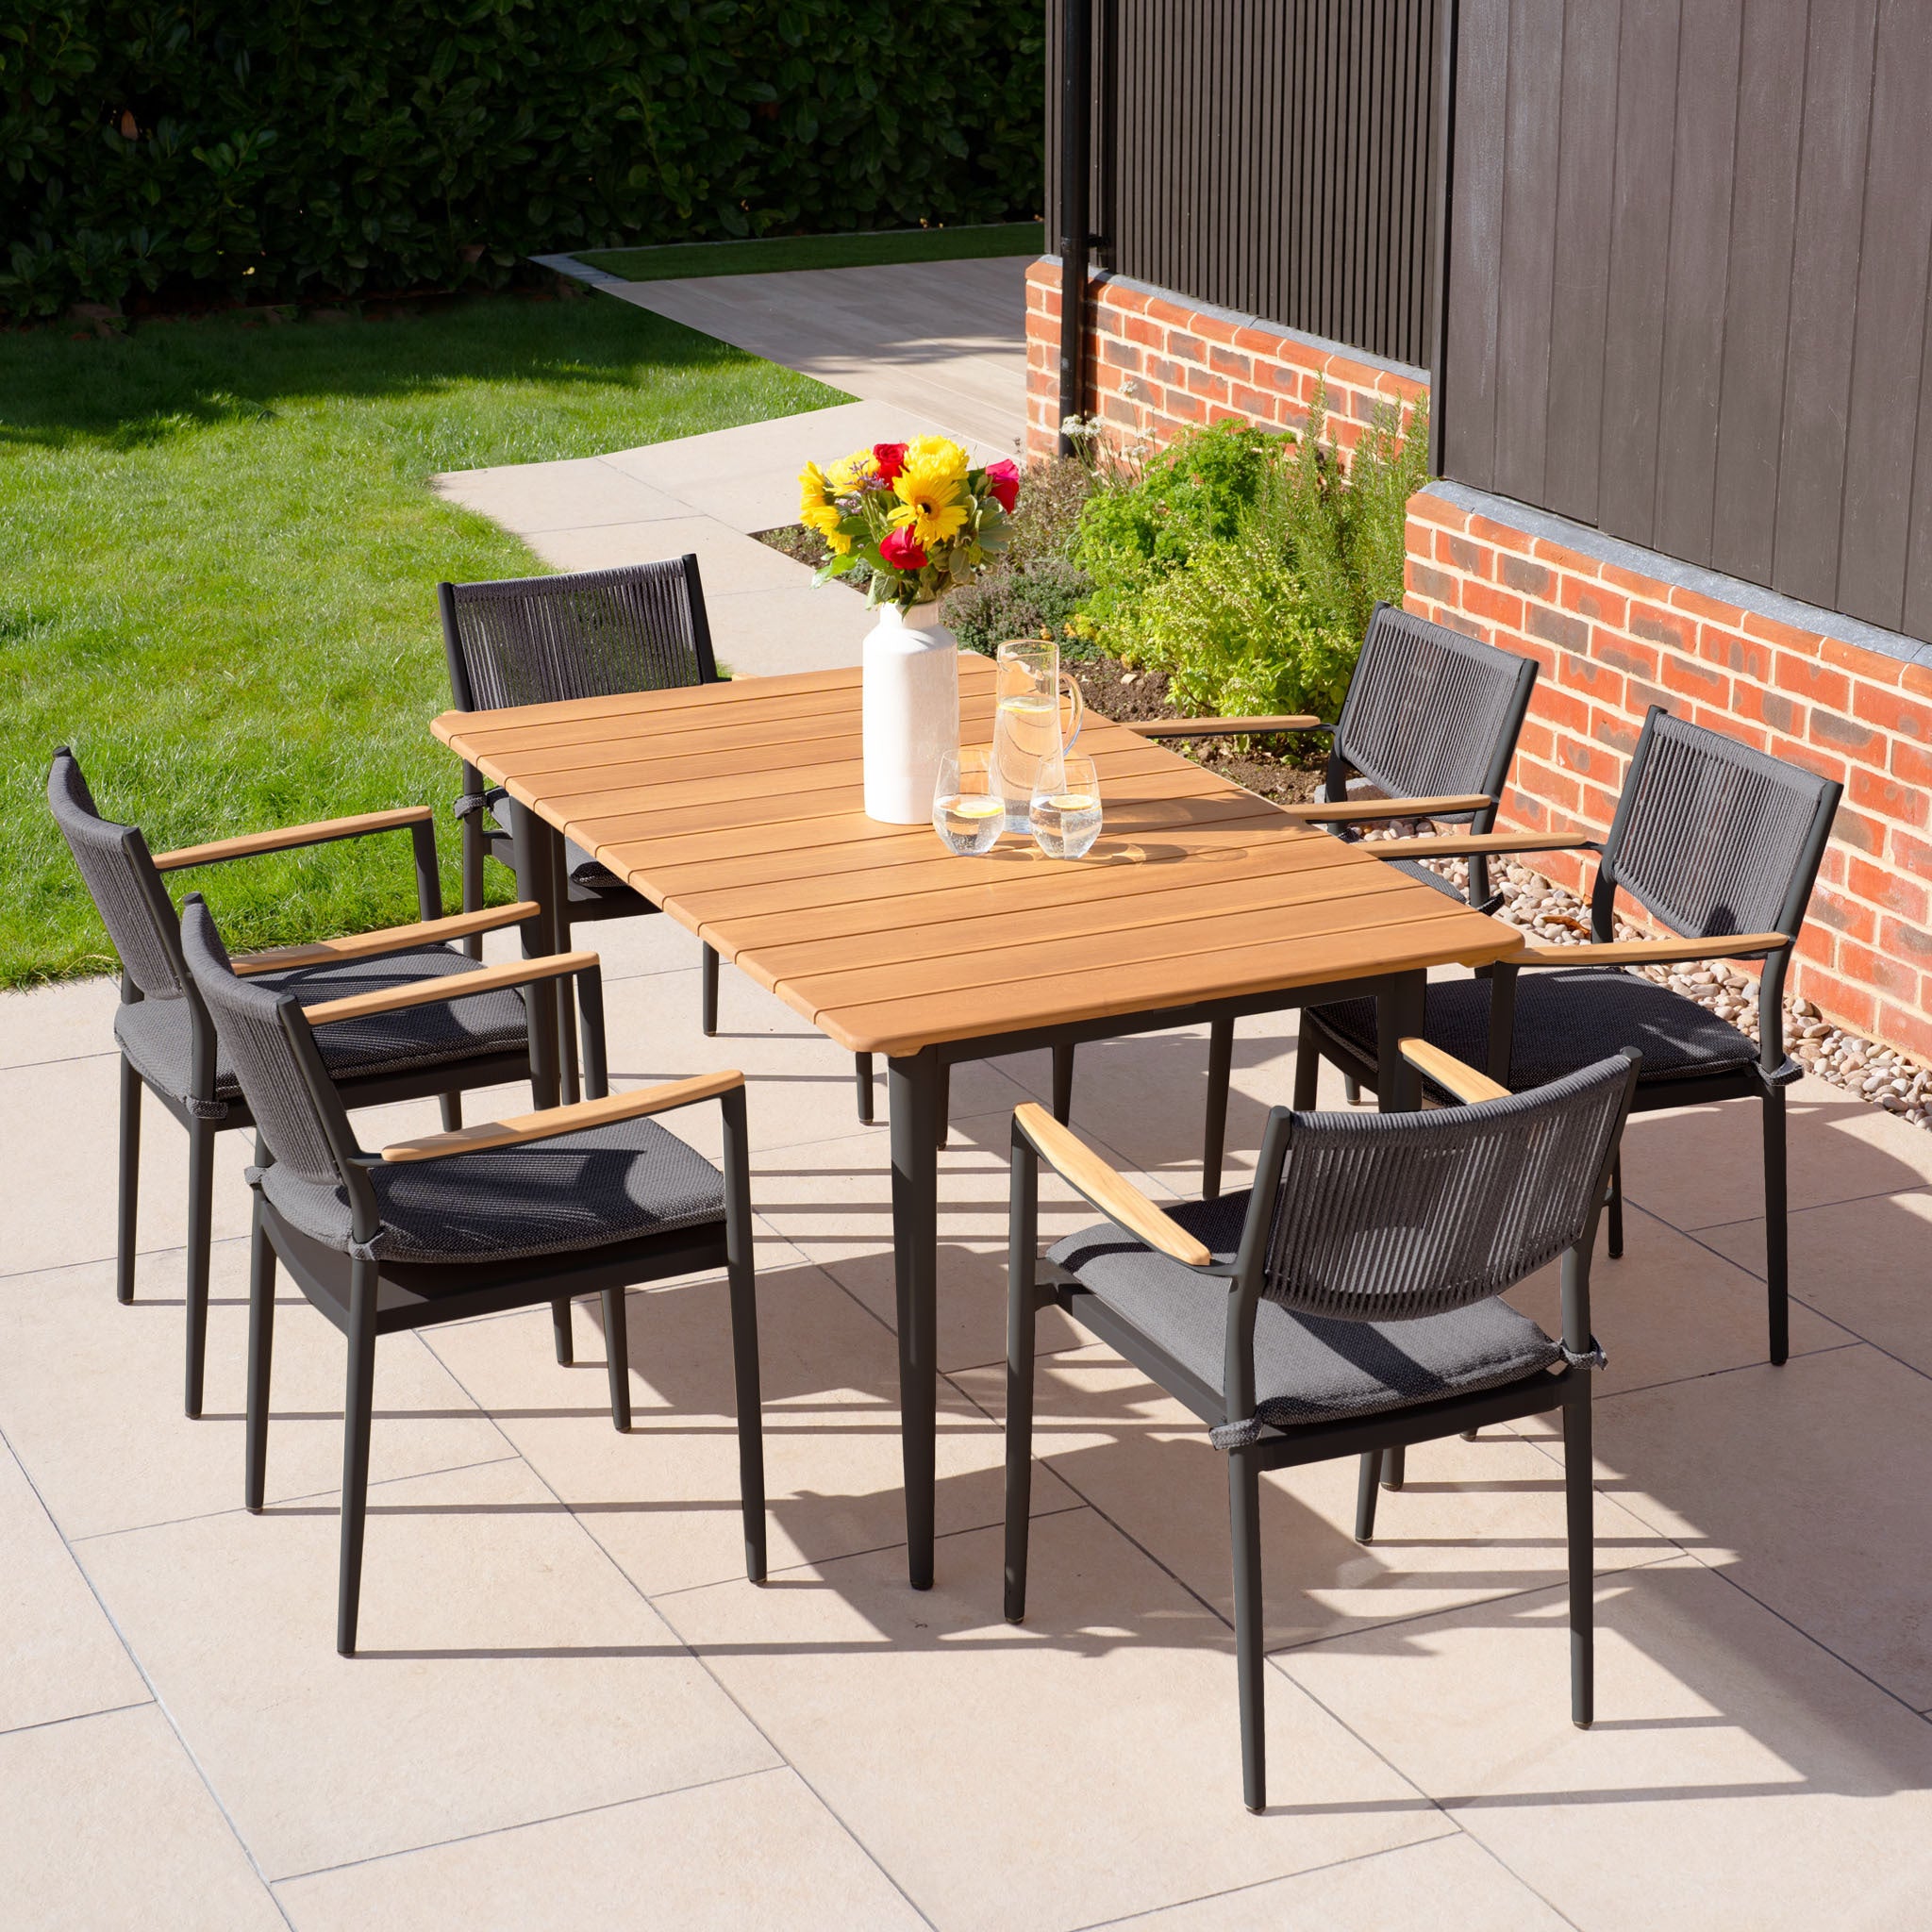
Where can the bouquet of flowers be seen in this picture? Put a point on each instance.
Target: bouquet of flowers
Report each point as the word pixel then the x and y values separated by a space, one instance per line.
pixel 917 514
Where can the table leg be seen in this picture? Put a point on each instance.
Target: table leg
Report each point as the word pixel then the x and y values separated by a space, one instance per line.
pixel 538 937
pixel 1399 1016
pixel 912 1101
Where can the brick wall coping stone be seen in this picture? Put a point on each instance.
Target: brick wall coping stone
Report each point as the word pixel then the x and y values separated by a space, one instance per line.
pixel 1713 584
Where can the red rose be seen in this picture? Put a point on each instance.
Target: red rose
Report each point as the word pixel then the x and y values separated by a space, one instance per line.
pixel 902 550
pixel 890 457
pixel 1003 480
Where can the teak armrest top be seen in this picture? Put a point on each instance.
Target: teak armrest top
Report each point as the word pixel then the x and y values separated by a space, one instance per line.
pixel 1116 1196
pixel 1315 813
pixel 250 844
pixel 454 985
pixel 1451 846
pixel 553 1120
pixel 1653 952
pixel 1223 727
pixel 1454 1075
pixel 388 938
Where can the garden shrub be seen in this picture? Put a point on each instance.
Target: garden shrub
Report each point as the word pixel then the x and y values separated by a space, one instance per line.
pixel 272 147
pixel 1017 604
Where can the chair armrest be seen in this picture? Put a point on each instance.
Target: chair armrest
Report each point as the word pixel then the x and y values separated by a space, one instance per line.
pixel 1451 846
pixel 388 938
pixel 1365 810
pixel 1115 1195
pixel 1744 945
pixel 1225 728
pixel 252 843
pixel 1454 1075
pixel 553 1120
pixel 452 985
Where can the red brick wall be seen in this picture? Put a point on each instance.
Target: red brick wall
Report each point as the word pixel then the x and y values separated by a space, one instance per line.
pixel 1611 642
pixel 1158 364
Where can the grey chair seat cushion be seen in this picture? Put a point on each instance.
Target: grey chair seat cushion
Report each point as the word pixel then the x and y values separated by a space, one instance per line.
pixel 154 1034
pixel 1568 1018
pixel 1308 1369
pixel 607 1184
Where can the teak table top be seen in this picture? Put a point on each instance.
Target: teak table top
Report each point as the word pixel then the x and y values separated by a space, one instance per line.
pixel 736 806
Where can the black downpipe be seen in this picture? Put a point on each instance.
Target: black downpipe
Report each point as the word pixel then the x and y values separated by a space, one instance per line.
pixel 1077 107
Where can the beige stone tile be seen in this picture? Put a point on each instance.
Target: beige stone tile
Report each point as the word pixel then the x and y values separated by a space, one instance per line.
pixel 1867 1264
pixel 664 1500
pixel 1700 1167
pixel 948 1741
pixel 51 1023
pixel 578 492
pixel 104 1827
pixel 800 627
pixel 1737 1775
pixel 90 1399
pixel 726 560
pixel 1473 1519
pixel 508 1672
pixel 1447 1885
pixel 1670 1308
pixel 759 1850
pixel 60 1657
pixel 1799 1483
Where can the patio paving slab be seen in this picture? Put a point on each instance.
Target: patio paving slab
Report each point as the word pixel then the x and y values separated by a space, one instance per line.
pixel 60 1657
pixel 508 1672
pixel 758 1850
pixel 944 1737
pixel 104 1826
pixel 1737 1775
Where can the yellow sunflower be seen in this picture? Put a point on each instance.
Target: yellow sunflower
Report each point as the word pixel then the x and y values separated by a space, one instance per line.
pixel 938 454
pixel 848 473
pixel 821 517
pixel 813 491
pixel 929 502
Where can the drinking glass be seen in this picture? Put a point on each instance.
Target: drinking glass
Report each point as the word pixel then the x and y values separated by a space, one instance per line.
pixel 967 811
pixel 1065 813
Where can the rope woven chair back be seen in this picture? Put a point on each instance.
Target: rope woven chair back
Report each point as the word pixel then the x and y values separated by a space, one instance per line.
pixel 1430 712
pixel 1390 1217
pixel 593 634
pixel 1715 837
pixel 294 1112
pixel 121 880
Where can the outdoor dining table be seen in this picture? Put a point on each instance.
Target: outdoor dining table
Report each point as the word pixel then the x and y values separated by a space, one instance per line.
pixel 736 806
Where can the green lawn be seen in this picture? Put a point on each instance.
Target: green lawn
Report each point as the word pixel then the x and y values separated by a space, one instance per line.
pixel 682 258
pixel 217 567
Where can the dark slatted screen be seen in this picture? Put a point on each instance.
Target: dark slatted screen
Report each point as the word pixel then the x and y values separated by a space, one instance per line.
pixel 1269 156
pixel 1688 283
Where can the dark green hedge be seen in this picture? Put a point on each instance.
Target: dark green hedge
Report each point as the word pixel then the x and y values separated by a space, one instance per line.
pixel 345 145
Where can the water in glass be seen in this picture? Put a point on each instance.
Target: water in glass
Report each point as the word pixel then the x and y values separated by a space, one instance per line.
pixel 967 812
pixel 1065 814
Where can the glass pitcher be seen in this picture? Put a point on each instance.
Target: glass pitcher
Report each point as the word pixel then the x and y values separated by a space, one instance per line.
pixel 1026 725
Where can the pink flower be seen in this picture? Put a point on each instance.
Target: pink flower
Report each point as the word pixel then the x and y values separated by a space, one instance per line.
pixel 1003 480
pixel 902 550
pixel 890 457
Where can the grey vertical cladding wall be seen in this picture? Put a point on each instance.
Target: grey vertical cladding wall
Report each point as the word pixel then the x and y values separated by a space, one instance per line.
pixel 1269 155
pixel 1688 283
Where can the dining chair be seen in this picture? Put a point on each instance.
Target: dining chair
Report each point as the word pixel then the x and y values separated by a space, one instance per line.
pixel 589 1198
pixel 169 1046
pixel 585 634
pixel 1348 1304
pixel 1719 843
pixel 1430 724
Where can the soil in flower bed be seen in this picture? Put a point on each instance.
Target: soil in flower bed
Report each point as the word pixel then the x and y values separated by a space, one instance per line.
pixel 803 544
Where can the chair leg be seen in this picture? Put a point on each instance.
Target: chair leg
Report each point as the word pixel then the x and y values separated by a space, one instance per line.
pixel 617 1352
pixel 1368 1484
pixel 1394 1468
pixel 1579 1499
pixel 862 1067
pixel 1020 1368
pixel 201 1201
pixel 1614 1219
pixel 1244 1519
pixel 261 1341
pixel 130 1181
pixel 1214 1131
pixel 559 1323
pixel 708 996
pixel 1351 1090
pixel 1308 1070
pixel 359 1402
pixel 1063 1084
pixel 1776 1232
pixel 452 1105
pixel 751 1427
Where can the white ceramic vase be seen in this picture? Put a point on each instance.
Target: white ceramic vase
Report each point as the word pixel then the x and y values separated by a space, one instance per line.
pixel 911 711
